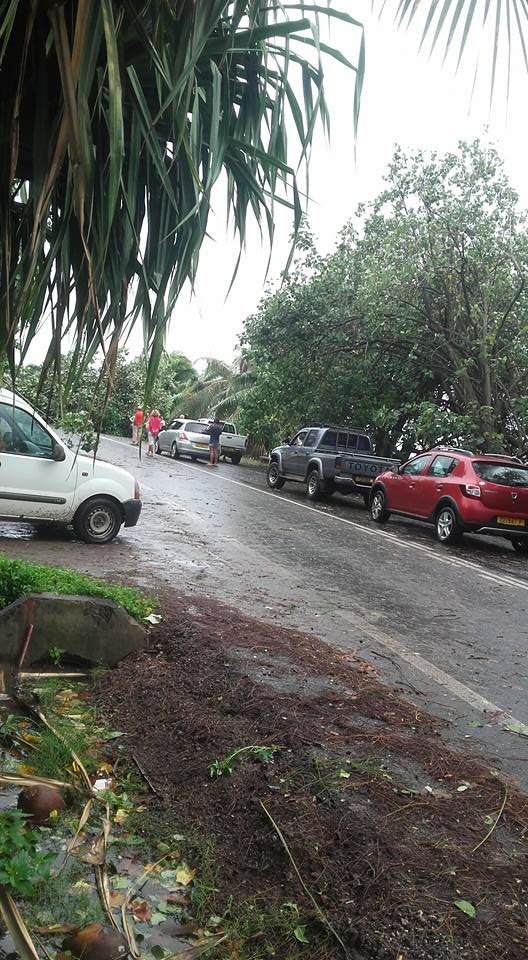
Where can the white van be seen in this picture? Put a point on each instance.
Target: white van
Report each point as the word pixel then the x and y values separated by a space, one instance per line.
pixel 42 481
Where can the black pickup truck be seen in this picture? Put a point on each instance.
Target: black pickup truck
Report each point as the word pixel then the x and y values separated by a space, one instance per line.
pixel 328 459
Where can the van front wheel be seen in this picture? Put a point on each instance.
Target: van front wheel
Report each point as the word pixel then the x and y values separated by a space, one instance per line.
pixel 98 521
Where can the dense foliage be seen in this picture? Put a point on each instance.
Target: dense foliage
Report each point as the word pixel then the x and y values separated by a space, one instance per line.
pixel 23 866
pixel 18 577
pixel 415 327
pixel 116 122
pixel 112 414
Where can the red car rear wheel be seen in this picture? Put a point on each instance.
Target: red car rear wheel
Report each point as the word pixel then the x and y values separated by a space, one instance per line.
pixel 448 529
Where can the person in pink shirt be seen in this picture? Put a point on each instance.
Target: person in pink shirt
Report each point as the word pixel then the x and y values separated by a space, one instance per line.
pixel 154 425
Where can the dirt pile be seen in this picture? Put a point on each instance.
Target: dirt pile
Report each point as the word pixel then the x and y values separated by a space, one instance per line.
pixel 384 822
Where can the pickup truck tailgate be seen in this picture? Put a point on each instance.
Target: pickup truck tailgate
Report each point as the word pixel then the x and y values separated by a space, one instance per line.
pixel 233 441
pixel 362 470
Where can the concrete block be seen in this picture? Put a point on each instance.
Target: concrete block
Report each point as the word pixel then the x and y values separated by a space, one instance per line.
pixel 97 630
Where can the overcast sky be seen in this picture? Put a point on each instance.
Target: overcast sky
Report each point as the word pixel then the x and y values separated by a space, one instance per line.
pixel 409 99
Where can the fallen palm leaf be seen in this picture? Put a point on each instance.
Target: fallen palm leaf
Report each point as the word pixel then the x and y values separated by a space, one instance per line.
pixel 28 780
pixel 103 889
pixel 128 931
pixel 98 853
pixel 83 820
pixel 16 927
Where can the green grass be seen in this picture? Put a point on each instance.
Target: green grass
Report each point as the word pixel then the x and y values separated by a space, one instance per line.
pixel 18 577
pixel 53 756
pixel 61 900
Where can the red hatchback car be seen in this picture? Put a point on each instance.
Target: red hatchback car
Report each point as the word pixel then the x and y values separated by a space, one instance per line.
pixel 458 492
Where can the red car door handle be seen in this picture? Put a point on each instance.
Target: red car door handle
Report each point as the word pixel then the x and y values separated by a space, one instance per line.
pixel 412 483
pixel 439 486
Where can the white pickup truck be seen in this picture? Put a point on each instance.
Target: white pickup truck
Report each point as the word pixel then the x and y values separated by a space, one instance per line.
pixel 42 481
pixel 232 443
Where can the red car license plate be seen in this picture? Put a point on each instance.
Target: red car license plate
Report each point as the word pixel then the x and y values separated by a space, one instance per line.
pixel 511 521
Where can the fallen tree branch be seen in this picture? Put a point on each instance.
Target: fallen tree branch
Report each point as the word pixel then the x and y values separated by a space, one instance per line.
pixel 322 916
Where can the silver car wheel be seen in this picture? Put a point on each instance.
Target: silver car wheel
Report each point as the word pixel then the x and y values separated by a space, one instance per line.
pixel 312 485
pixel 445 524
pixel 377 506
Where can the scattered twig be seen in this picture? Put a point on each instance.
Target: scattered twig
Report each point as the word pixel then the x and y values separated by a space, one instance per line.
pixel 492 828
pixel 194 952
pixel 42 946
pixel 147 780
pixel 322 916
pixel 29 611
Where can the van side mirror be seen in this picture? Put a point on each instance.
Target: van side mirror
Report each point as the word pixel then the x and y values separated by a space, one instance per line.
pixel 59 453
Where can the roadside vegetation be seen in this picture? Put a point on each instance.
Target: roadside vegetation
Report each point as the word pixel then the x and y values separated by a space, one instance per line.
pixel 18 577
pixel 179 387
pixel 414 327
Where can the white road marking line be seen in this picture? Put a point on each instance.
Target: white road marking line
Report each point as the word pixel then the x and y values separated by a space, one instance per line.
pixel 505 580
pixel 443 679
pixel 502 579
pixel 432 672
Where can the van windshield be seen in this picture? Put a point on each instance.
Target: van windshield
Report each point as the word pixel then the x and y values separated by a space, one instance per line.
pixel 505 474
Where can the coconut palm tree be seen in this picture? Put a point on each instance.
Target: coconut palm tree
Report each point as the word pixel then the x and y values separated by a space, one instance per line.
pixel 218 391
pixel 117 118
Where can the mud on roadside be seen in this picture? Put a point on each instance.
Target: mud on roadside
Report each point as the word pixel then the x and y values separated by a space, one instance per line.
pixel 384 822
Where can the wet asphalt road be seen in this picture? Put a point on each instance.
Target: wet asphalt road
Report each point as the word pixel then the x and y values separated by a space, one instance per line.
pixel 448 626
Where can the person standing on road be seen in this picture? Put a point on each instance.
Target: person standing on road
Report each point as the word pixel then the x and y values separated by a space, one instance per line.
pixel 154 425
pixel 137 425
pixel 214 431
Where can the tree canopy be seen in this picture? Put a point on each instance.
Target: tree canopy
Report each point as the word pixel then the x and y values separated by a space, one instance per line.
pixel 415 327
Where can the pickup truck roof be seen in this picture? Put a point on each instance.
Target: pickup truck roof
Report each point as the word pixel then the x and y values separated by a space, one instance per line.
pixel 333 426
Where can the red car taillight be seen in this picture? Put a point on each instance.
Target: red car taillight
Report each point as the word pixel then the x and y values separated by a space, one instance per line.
pixel 471 491
pixel 183 436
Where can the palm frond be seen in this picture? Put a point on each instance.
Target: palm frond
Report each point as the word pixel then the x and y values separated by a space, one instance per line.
pixel 116 122
pixel 448 24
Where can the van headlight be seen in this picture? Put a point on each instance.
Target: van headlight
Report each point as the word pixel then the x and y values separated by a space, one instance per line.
pixel 137 491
